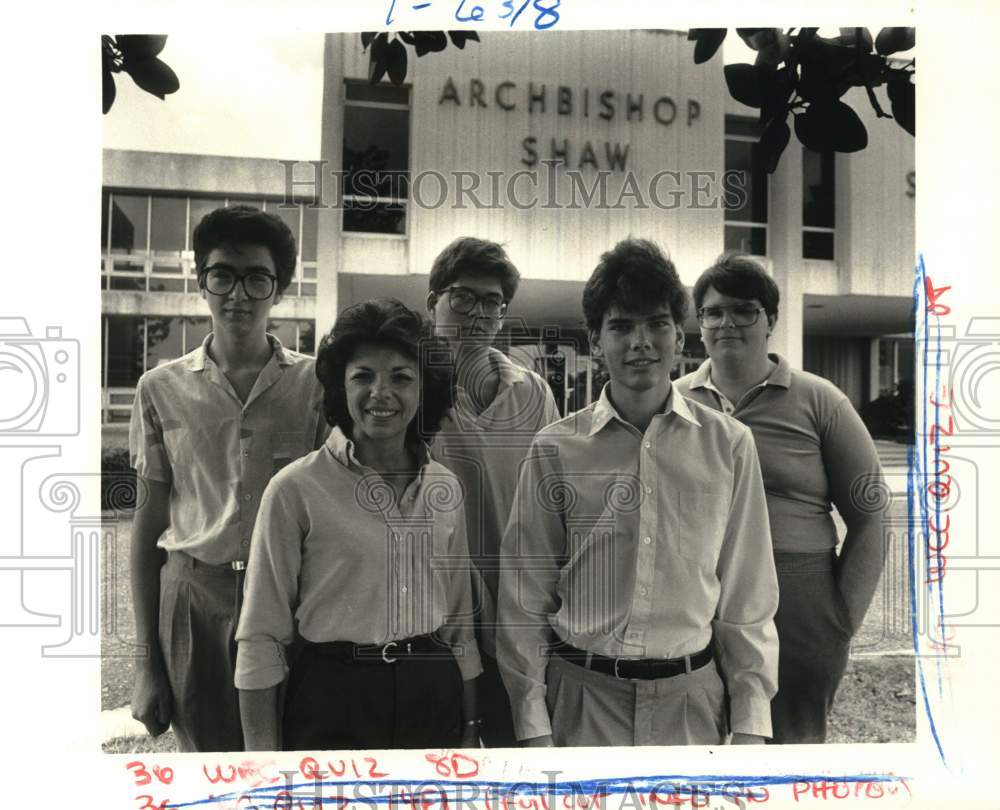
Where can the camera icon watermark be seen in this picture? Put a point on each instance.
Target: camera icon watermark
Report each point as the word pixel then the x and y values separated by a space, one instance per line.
pixel 40 378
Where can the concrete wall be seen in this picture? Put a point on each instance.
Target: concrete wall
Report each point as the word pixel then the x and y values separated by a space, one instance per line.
pixel 206 174
pixel 550 243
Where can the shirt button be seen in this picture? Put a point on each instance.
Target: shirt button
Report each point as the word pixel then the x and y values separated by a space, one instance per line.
pixel 245 543
pixel 403 589
pixel 649 490
pixel 643 591
pixel 647 540
pixel 246 453
pixel 247 497
pixel 647 445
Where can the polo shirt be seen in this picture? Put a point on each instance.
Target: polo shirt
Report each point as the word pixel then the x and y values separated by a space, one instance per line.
pixel 640 545
pixel 189 429
pixel 814 451
pixel 334 555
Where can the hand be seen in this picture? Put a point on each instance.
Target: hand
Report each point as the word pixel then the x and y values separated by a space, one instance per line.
pixel 739 738
pixel 545 741
pixel 470 735
pixel 152 702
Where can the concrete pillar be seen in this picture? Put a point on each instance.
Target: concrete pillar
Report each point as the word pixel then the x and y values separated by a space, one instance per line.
pixel 873 369
pixel 784 227
pixel 330 215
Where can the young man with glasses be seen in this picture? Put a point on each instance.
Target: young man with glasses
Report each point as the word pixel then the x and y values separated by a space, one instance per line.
pixel 815 453
pixel 208 431
pixel 499 408
pixel 638 591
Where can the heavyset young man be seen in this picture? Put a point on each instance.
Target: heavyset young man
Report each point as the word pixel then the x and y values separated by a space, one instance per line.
pixel 208 431
pixel 640 611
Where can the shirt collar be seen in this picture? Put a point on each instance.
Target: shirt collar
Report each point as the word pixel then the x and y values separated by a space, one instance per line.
pixel 604 410
pixel 780 377
pixel 344 451
pixel 510 373
pixel 198 359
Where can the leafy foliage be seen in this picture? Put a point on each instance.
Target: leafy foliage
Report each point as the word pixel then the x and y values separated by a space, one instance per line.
pixel 802 74
pixel 388 54
pixel 138 56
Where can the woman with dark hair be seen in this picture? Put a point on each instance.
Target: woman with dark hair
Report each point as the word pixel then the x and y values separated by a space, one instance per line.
pixel 815 452
pixel 360 547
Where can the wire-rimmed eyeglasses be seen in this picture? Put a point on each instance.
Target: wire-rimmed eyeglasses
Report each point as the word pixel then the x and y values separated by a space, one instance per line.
pixel 739 315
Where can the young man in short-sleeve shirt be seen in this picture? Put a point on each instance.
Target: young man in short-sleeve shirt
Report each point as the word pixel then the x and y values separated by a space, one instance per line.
pixel 208 431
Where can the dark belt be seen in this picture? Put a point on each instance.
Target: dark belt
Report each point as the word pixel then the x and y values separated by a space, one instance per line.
pixel 643 669
pixel 416 647
pixel 188 561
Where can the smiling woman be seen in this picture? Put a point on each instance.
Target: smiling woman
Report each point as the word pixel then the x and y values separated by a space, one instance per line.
pixel 348 546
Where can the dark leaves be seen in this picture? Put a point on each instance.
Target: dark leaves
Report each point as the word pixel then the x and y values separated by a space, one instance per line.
pixel 109 91
pixel 856 38
pixel 459 38
pixel 894 40
pixel 831 125
pixel 136 54
pixel 902 97
pixel 389 57
pixel 154 76
pixel 429 42
pixel 778 86
pixel 707 42
pixel 744 84
pixel 396 59
pixel 773 142
pixel 140 46
pixel 378 58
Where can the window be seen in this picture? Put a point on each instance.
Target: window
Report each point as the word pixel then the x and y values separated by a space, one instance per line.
pixel 818 219
pixel 745 188
pixel 133 344
pixel 376 158
pixel 147 243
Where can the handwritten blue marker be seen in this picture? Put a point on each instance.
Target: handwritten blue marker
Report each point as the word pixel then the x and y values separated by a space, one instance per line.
pixel 420 6
pixel 388 17
pixel 477 13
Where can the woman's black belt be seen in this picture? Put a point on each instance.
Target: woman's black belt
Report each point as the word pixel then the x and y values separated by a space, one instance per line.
pixel 426 646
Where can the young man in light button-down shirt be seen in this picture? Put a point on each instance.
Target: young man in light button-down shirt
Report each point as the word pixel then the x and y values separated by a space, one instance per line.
pixel 638 593
pixel 208 431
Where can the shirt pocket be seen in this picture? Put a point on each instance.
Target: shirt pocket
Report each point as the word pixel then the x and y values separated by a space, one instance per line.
pixel 285 448
pixel 701 523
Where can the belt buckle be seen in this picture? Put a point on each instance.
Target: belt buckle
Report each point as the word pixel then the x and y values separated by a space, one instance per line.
pixel 385 653
pixel 238 565
pixel 615 670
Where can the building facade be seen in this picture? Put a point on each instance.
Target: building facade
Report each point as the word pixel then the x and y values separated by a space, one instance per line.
pixel 557 146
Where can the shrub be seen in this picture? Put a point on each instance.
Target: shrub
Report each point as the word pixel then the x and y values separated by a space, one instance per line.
pixel 117 480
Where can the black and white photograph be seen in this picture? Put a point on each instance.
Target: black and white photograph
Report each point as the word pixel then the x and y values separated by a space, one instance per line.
pixel 567 253
pixel 508 402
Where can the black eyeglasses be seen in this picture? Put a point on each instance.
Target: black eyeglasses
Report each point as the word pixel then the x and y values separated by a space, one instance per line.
pixel 739 315
pixel 462 301
pixel 221 281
